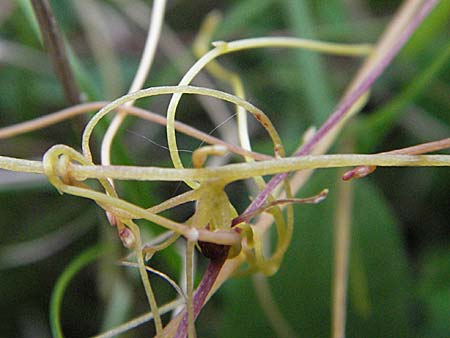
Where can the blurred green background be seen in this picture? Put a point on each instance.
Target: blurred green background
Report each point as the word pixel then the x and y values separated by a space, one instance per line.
pixel 400 259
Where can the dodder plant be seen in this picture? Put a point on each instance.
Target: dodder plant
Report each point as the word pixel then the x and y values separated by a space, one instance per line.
pixel 231 242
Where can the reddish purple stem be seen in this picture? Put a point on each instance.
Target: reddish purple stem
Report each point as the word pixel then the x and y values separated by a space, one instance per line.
pixel 348 102
pixel 210 276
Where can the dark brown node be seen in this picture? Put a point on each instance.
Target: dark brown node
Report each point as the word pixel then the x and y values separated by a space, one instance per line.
pixel 214 251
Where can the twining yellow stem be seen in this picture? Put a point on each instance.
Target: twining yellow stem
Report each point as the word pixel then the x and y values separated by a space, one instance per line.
pixel 144 277
pixel 24 166
pixel 126 209
pixel 56 164
pixel 222 48
pixel 57 167
pixel 164 276
pixel 362 171
pixel 200 155
pixel 259 114
pixel 150 250
pixel 232 172
pixel 61 169
pixel 201 46
pixel 188 196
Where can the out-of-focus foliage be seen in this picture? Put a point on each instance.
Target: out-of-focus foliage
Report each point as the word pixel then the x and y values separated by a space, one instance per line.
pixel 399 269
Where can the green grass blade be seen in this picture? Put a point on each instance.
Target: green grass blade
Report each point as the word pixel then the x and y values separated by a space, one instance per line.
pixel 25 6
pixel 332 11
pixel 377 125
pixel 63 281
pixel 317 92
pixel 436 24
pixel 238 16
pixel 302 285
pixel 84 79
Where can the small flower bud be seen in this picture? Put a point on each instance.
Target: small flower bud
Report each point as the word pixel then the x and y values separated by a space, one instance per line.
pixel 127 237
pixel 359 172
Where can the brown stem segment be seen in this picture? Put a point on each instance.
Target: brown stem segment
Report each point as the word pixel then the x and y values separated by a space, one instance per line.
pixel 55 46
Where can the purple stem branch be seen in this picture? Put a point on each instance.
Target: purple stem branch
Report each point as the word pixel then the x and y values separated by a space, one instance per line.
pixel 203 289
pixel 347 103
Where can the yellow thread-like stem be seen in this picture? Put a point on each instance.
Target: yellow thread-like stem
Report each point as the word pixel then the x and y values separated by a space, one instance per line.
pixel 233 172
pixel 144 277
pixel 224 48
